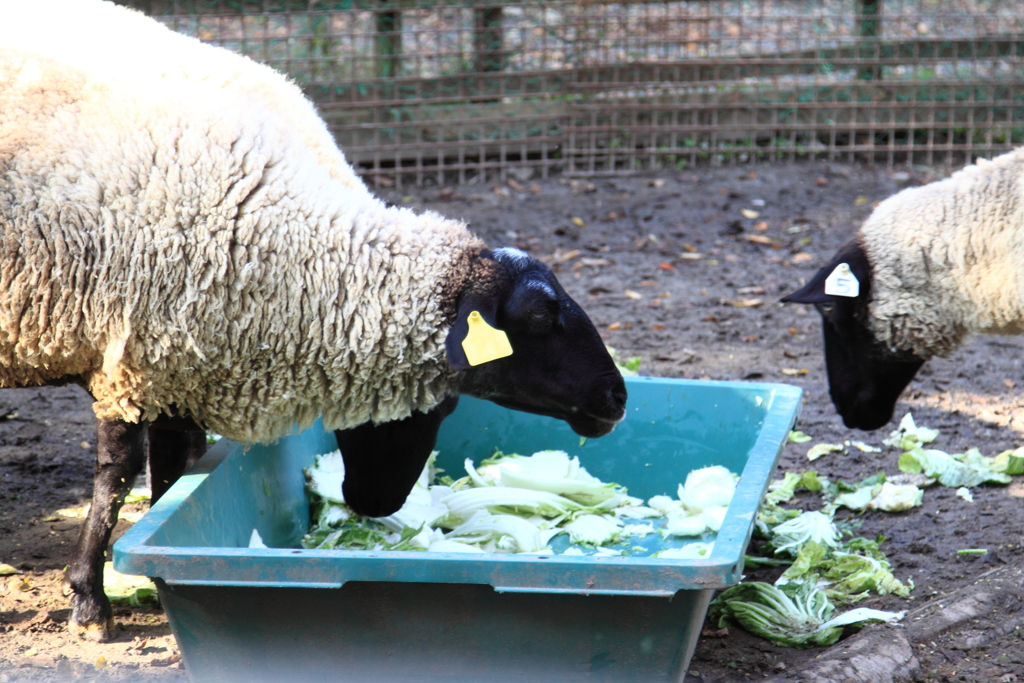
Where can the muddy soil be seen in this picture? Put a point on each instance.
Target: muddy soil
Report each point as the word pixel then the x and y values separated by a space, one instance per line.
pixel 685 272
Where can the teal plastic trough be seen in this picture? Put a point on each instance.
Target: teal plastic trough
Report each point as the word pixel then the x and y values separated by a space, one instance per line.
pixel 287 614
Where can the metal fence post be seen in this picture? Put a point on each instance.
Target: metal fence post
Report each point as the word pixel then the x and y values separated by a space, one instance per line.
pixel 488 39
pixel 389 40
pixel 869 28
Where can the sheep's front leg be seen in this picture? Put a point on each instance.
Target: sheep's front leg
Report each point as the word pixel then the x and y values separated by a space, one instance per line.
pixel 383 461
pixel 119 458
pixel 172 450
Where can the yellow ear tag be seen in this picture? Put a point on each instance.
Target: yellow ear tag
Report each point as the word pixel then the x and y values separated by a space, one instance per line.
pixel 484 343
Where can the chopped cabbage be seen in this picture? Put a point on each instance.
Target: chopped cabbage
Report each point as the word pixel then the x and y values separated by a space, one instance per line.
pixel 807 526
pixel 693 551
pixel 818 450
pixel 685 525
pixel 908 435
pixel 501 533
pixel 965 469
pixel 798 615
pixel 326 477
pixel 552 471
pixel 515 504
pixel 593 530
pixel 783 490
pixel 896 498
pixel 886 496
pixel 798 437
pixel 121 589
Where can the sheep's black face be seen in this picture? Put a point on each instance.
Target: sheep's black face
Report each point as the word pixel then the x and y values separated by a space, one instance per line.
pixel 865 378
pixel 559 365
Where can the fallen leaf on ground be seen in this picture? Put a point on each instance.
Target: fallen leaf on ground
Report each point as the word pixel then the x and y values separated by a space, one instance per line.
pixel 593 262
pixel 745 303
pixel 577 221
pixel 761 225
pixel 750 290
pixel 165 661
pixel 821 182
pixel 861 200
pixel 514 185
pixel 19 584
pixel 795 372
pixel 615 326
pixel 535 188
pixel 7 570
pixel 658 328
pixel 630 294
pixel 687 256
pixel 760 239
pixel 749 213
pixel 656 182
pixel 560 257
pixel 665 265
pixel 802 257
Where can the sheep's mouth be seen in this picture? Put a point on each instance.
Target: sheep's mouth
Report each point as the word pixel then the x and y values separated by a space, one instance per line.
pixel 590 426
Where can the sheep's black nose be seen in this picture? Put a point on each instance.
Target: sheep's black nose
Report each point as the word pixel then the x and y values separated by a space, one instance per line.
pixel 616 400
pixel 619 395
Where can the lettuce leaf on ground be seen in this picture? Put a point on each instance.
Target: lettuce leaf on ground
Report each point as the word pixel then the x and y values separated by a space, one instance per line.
pixel 797 615
pixel 964 469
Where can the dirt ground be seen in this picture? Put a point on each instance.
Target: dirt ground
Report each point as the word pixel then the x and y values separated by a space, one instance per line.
pixel 678 270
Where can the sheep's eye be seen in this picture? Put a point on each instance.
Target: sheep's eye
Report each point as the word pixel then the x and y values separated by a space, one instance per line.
pixel 826 308
pixel 538 316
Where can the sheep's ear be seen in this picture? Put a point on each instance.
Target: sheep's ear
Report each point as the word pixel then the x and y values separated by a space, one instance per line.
pixel 852 260
pixel 454 351
pixel 814 291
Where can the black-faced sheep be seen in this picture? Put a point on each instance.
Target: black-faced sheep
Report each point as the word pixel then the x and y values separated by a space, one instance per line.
pixel 932 264
pixel 180 235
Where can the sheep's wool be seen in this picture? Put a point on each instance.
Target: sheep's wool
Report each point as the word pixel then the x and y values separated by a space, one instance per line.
pixel 179 229
pixel 947 259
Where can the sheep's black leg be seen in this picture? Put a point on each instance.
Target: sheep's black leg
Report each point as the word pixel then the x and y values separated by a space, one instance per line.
pixel 172 450
pixel 383 461
pixel 119 458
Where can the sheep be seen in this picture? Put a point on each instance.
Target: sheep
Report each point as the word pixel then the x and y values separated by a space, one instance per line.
pixel 933 265
pixel 181 236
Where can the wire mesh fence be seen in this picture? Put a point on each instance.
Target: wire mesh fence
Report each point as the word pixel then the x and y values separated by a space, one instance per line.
pixel 440 91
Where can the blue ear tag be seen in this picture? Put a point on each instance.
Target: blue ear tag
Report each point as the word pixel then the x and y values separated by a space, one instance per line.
pixel 484 343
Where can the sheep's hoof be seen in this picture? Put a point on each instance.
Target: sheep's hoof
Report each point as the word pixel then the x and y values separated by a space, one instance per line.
pixel 94 633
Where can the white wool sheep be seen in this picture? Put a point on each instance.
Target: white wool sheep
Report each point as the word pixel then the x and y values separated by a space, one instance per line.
pixel 180 234
pixel 947 259
pixel 224 235
pixel 935 264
